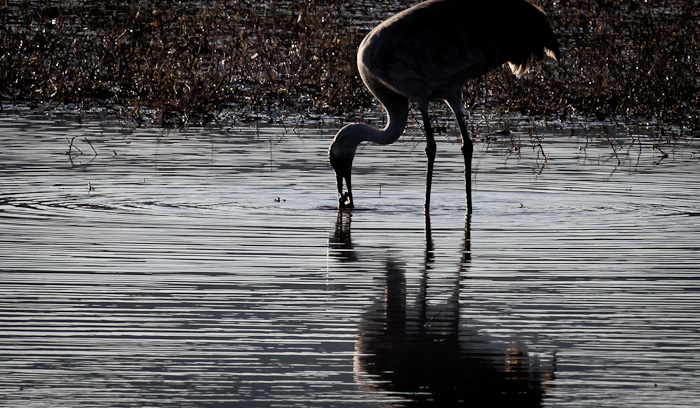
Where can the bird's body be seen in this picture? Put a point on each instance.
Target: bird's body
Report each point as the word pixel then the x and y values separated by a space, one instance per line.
pixel 429 52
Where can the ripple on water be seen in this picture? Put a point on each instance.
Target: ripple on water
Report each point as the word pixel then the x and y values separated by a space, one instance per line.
pixel 209 269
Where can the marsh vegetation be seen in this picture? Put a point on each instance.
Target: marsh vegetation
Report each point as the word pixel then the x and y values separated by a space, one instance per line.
pixel 190 62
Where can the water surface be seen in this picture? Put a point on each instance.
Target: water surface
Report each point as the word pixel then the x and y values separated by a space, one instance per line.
pixel 210 268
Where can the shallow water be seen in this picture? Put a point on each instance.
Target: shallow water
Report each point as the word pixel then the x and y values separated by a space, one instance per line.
pixel 210 268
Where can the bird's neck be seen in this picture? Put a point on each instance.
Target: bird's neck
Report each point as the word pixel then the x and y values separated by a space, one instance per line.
pixel 349 137
pixel 397 114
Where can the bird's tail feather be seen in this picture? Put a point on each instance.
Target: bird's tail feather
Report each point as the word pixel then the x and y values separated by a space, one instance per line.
pixel 533 44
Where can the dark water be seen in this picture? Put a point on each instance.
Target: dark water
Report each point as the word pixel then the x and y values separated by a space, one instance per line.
pixel 210 268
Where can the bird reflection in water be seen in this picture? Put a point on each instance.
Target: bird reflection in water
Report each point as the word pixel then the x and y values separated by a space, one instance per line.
pixel 424 354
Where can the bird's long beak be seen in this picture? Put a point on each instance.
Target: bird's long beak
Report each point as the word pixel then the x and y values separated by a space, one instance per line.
pixel 343 169
pixel 344 199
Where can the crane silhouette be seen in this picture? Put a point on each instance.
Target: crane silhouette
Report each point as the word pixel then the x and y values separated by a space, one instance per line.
pixel 429 52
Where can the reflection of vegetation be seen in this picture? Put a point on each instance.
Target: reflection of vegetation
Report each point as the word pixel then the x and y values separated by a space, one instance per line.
pixel 190 60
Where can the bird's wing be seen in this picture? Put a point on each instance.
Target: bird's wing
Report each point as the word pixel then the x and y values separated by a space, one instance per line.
pixel 441 44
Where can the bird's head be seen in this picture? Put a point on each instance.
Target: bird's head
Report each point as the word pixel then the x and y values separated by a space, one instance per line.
pixel 340 155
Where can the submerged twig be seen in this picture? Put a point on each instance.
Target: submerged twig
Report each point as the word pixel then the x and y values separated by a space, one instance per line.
pixel 71 145
pixel 432 318
pixel 608 135
pixel 93 148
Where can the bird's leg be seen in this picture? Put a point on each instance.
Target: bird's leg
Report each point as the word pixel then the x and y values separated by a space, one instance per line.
pixel 467 151
pixel 430 149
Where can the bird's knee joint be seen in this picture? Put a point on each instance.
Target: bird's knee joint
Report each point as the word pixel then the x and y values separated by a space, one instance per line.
pixel 467 149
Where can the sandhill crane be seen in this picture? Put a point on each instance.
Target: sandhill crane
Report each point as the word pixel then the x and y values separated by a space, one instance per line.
pixel 429 52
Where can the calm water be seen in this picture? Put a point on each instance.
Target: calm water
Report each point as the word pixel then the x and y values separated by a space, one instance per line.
pixel 210 268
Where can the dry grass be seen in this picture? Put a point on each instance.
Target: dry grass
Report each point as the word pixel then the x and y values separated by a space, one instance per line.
pixel 187 62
